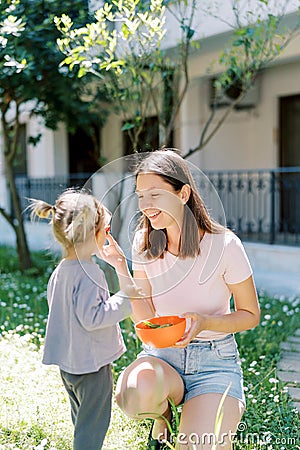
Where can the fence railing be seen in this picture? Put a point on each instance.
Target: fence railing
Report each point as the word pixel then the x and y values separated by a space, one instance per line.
pixel 259 205
pixel 47 188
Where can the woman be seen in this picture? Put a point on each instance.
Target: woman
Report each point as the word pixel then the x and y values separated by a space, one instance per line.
pixel 189 265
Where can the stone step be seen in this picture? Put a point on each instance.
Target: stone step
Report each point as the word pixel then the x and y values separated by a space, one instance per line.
pixel 289 364
pixel 290 346
pixel 289 367
pixel 295 339
pixel 289 377
pixel 297 405
pixel 293 356
pixel 294 393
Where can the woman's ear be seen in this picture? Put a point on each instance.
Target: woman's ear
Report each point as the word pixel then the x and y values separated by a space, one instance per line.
pixel 185 193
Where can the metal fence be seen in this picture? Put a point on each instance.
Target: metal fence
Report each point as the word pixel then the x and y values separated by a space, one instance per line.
pixel 48 188
pixel 259 205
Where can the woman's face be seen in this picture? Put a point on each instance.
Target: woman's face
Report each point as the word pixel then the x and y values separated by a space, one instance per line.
pixel 159 202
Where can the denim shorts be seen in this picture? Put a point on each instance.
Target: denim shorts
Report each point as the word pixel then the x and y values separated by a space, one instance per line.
pixel 205 366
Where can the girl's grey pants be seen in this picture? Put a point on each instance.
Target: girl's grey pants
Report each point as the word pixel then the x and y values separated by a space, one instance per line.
pixel 90 397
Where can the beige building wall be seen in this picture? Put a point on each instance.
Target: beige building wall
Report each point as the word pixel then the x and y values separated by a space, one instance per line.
pixel 61 151
pixel 111 138
pixel 249 139
pixel 50 156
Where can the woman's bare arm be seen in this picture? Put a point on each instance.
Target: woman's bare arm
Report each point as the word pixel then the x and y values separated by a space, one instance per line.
pixel 142 308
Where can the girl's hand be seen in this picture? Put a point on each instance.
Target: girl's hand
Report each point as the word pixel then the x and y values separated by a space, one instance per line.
pixel 133 292
pixel 113 254
pixel 197 324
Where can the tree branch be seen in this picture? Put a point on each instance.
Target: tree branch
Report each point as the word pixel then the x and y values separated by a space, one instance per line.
pixel 14 145
pixel 203 142
pixel 8 218
pixel 185 53
pixel 7 146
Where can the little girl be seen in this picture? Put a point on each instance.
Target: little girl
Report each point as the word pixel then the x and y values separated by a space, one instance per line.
pixel 83 336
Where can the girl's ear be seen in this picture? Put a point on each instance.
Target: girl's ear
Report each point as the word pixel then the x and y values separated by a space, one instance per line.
pixel 185 193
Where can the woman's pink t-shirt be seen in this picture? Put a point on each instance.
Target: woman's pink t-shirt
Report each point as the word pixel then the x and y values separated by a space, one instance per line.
pixel 196 284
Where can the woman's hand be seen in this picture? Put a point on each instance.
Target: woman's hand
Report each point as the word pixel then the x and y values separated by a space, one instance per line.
pixel 245 316
pixel 197 324
pixel 113 254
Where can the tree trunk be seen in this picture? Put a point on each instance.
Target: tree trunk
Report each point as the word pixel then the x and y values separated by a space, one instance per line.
pixel 17 222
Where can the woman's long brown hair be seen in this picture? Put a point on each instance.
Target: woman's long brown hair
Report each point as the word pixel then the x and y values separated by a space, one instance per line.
pixel 173 169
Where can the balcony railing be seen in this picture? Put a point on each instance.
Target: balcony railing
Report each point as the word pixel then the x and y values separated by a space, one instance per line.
pixel 259 205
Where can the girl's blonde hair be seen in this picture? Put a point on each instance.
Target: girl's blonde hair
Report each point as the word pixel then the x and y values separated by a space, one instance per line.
pixel 75 217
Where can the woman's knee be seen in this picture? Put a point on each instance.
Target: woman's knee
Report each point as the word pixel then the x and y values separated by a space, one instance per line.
pixel 141 388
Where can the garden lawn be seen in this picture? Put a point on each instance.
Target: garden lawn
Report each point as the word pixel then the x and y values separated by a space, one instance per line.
pixel 34 410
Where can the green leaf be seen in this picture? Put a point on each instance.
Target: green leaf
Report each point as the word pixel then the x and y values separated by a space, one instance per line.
pixel 125 30
pixel 238 42
pixel 188 31
pixel 127 126
pixel 82 71
pixel 240 32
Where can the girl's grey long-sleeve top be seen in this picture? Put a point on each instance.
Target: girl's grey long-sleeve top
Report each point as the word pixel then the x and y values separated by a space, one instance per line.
pixel 83 333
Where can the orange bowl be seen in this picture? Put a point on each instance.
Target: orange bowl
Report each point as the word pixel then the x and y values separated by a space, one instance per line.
pixel 161 337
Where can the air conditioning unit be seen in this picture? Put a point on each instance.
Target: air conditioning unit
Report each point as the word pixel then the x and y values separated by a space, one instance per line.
pixel 226 98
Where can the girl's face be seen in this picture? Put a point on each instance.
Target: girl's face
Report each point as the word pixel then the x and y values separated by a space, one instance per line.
pixel 159 202
pixel 102 232
pixel 101 236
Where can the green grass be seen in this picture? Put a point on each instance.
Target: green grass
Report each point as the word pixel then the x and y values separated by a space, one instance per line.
pixel 34 409
pixel 270 416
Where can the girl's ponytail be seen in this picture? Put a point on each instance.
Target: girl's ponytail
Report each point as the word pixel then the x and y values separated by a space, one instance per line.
pixel 41 209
